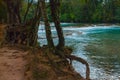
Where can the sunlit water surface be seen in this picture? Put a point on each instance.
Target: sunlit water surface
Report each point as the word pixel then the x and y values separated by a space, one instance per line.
pixel 99 45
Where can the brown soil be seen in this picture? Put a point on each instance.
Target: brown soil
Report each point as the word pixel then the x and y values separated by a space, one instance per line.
pixel 17 64
pixel 12 64
pixel 40 67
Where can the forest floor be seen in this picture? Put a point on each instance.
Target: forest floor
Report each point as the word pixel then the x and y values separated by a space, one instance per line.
pixel 12 64
pixel 23 63
pixel 18 64
pixel 47 66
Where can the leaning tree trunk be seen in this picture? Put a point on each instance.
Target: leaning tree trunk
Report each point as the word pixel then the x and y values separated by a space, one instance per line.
pixel 55 5
pixel 47 25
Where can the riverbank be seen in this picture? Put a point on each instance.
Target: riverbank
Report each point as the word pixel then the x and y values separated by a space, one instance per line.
pixel 26 63
pixel 88 24
pixel 22 64
pixel 44 65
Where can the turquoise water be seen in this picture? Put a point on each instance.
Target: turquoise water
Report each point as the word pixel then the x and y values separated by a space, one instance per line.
pixel 99 45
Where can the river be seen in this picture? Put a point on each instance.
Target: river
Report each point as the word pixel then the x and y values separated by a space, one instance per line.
pixel 98 45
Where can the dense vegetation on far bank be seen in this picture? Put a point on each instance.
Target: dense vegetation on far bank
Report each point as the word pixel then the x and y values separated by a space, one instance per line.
pixel 79 11
pixel 90 11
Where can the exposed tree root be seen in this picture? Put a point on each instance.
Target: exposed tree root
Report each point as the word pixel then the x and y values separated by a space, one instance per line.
pixel 60 71
pixel 71 58
pixel 54 65
pixel 60 65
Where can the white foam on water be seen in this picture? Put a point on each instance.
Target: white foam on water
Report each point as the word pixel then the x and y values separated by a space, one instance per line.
pixel 77 37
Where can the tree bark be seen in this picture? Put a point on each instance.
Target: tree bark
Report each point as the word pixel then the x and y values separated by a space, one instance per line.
pixel 55 4
pixel 47 25
pixel 28 8
pixel 13 8
pixel 16 34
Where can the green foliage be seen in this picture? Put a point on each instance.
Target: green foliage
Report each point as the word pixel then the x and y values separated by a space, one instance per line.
pixel 118 14
pixel 31 11
pixel 23 8
pixel 92 11
pixel 3 11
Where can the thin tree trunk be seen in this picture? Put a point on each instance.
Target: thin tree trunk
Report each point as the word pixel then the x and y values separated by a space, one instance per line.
pixel 16 34
pixel 28 7
pixel 55 4
pixel 13 7
pixel 34 25
pixel 47 25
